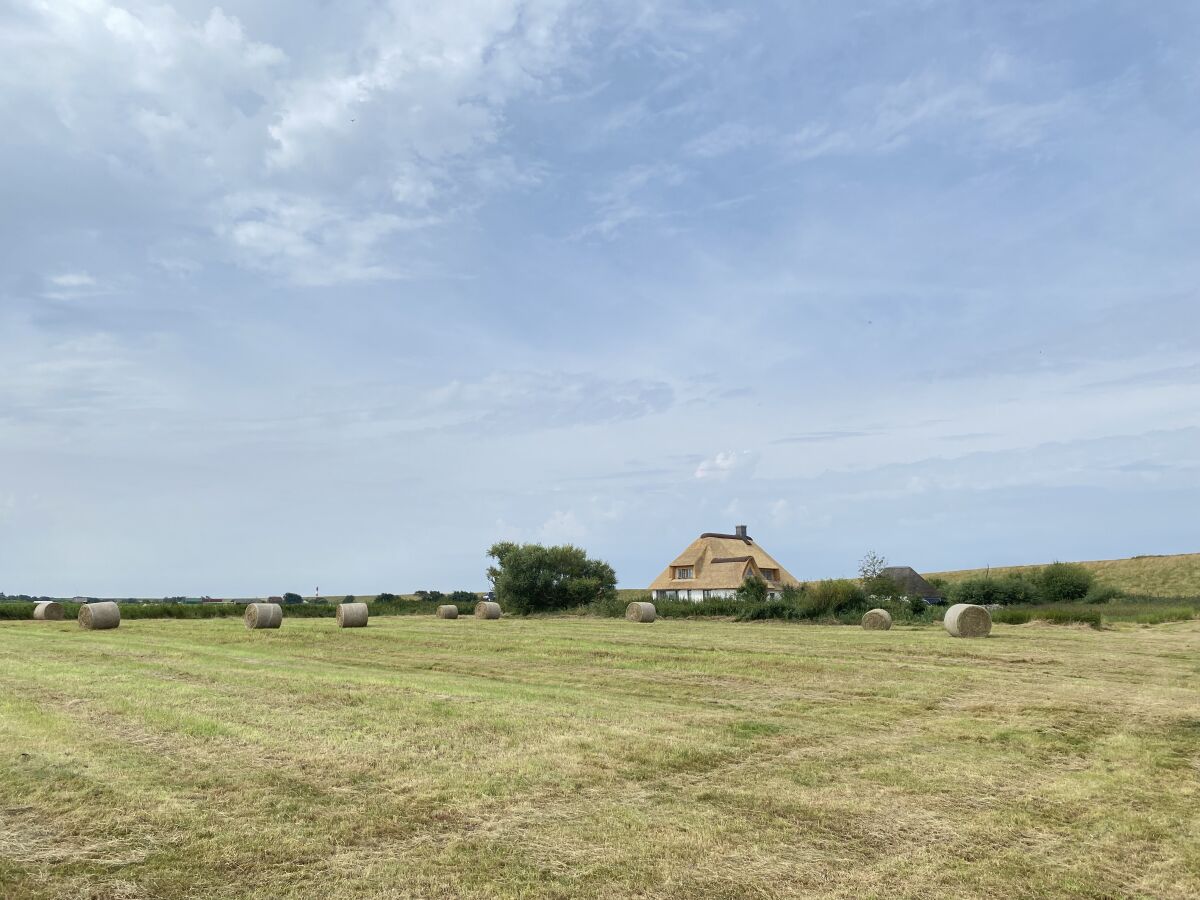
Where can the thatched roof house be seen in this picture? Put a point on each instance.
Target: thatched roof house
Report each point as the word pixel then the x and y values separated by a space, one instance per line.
pixel 911 583
pixel 715 565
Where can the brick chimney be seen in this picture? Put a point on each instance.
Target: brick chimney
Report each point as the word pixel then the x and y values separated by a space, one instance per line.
pixel 740 531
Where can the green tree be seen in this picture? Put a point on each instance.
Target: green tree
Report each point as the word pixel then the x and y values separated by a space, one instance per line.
pixel 874 582
pixel 290 597
pixel 871 565
pixel 533 578
pixel 349 598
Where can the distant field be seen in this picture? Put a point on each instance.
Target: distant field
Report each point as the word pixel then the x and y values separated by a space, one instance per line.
pixel 1153 576
pixel 591 758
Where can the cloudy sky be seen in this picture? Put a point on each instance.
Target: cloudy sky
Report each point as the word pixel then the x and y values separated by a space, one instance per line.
pixel 299 294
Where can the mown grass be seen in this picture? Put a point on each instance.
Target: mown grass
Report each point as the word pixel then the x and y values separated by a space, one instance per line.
pixel 597 758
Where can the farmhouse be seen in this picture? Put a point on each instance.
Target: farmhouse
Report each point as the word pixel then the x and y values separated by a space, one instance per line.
pixel 715 565
pixel 912 584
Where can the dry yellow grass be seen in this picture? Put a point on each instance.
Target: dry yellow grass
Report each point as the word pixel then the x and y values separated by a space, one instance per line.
pixel 514 759
pixel 1152 576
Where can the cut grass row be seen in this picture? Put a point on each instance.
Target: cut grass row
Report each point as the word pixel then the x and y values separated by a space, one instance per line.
pixel 546 758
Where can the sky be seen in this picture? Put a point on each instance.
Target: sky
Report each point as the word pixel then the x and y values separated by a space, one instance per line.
pixel 304 294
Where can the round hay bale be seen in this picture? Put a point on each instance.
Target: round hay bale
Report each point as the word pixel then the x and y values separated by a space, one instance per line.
pixel 447 612
pixel 98 616
pixel 968 620
pixel 877 620
pixel 263 615
pixel 352 615
pixel 486 609
pixel 49 611
pixel 640 611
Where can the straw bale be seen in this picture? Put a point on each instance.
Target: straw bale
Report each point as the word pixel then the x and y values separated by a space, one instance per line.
pixel 447 612
pixel 263 615
pixel 50 611
pixel 877 620
pixel 967 620
pixel 640 611
pixel 486 609
pixel 352 615
pixel 98 616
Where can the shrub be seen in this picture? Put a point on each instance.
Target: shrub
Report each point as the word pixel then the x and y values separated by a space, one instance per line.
pixel 1012 616
pixel 833 597
pixel 752 590
pixel 349 598
pixel 614 607
pixel 385 597
pixel 882 586
pixel 1064 582
pixel 290 597
pixel 459 598
pixel 1103 593
pixel 1003 591
pixel 917 606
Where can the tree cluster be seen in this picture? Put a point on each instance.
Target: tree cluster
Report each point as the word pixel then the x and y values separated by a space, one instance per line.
pixel 531 578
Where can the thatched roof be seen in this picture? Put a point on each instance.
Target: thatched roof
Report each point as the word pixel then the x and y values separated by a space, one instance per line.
pixel 910 582
pixel 721 562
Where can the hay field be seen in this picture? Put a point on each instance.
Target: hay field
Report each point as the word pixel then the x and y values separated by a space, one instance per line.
pixel 576 758
pixel 1148 576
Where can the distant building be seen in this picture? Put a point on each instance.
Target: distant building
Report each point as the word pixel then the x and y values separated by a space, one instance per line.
pixel 912 584
pixel 278 600
pixel 715 565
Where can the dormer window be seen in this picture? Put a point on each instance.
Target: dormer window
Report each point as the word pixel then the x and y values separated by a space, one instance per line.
pixel 682 572
pixel 770 574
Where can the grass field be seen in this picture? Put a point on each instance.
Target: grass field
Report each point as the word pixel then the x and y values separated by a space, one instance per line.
pixel 1148 576
pixel 596 758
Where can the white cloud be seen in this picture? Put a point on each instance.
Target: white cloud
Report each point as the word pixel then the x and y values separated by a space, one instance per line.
pixel 726 138
pixel 724 464
pixel 780 511
pixel 630 196
pixel 563 527
pixel 73 286
pixel 72 280
pixel 301 239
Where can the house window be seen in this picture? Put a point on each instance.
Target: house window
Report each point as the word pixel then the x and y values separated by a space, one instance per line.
pixel 771 574
pixel 684 572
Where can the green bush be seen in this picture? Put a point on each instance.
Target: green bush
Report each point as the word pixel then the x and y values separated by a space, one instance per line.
pixel 463 598
pixel 752 590
pixel 1005 590
pixel 1012 616
pixel 1103 593
pixel 834 597
pixel 1064 583
pixel 291 597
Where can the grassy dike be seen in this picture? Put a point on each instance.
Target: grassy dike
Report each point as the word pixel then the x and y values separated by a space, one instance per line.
pixel 597 758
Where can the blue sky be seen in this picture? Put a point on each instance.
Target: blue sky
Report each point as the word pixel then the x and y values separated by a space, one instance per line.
pixel 310 294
